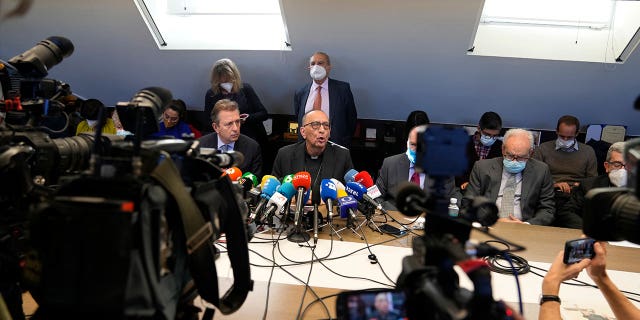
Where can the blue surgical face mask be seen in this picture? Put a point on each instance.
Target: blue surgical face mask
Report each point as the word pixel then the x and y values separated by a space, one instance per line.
pixel 411 154
pixel 487 141
pixel 513 166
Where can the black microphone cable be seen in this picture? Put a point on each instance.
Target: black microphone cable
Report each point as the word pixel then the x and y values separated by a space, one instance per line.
pixel 373 259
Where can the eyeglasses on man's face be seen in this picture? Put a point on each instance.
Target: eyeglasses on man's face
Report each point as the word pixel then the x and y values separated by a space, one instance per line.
pixel 616 164
pixel 315 125
pixel 512 157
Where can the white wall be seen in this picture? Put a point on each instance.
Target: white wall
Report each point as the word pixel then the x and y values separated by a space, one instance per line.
pixel 397 55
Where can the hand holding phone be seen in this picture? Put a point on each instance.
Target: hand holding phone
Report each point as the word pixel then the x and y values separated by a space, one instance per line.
pixel 578 249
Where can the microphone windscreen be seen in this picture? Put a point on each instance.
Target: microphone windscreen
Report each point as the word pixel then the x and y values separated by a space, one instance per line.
pixel 287 178
pixel 234 173
pixel 270 187
pixel 287 189
pixel 349 176
pixel 328 190
pixel 364 178
pixel 246 184
pixel 339 185
pixel 342 193
pixel 265 178
pixel 302 179
pixel 355 190
pixel 252 177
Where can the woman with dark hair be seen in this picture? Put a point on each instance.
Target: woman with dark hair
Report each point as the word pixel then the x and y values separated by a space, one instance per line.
pixel 227 84
pixel 172 123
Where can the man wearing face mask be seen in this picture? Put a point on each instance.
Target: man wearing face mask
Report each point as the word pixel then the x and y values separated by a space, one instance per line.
pixel 521 187
pixel 570 215
pixel 569 160
pixel 484 144
pixel 331 96
pixel 401 167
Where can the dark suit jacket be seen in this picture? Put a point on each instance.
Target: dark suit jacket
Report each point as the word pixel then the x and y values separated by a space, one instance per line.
pixel 536 200
pixel 570 215
pixel 494 152
pixel 342 109
pixel 336 161
pixel 247 146
pixel 395 170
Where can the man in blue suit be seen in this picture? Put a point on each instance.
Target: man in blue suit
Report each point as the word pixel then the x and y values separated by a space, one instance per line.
pixel 331 96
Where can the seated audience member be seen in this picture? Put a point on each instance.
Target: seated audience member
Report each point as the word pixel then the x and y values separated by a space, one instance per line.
pixel 569 160
pixel 90 110
pixel 521 187
pixel 172 123
pixel 315 154
pixel 597 269
pixel 570 215
pixel 225 121
pixel 401 167
pixel 196 133
pixel 484 144
pixel 332 96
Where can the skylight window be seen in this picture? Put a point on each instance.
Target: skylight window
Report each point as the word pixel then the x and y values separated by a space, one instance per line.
pixel 215 24
pixel 604 31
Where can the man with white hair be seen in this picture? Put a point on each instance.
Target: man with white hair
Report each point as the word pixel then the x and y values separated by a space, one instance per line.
pixel 521 187
pixel 570 215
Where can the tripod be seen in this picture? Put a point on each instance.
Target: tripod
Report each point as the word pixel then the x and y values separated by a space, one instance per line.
pixel 329 223
pixel 368 211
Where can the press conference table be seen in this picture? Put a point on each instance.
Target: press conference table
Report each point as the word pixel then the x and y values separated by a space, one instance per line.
pixel 542 243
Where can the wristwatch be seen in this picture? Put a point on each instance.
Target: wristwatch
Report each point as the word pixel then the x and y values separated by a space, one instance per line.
pixel 544 298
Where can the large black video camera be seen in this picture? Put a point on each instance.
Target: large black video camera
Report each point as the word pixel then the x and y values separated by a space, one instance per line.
pixel 113 228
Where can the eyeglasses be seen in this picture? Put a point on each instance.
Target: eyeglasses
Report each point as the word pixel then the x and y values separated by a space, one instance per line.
pixel 511 157
pixel 315 125
pixel 170 118
pixel 616 164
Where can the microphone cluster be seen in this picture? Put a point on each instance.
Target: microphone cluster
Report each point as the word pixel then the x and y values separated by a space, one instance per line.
pixel 273 197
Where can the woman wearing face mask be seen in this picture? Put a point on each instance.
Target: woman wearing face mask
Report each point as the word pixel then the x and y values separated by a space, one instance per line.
pixel 226 83
pixel 90 110
pixel 484 144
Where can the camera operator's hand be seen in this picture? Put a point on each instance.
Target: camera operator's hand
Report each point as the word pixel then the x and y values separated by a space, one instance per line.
pixel 597 270
pixel 558 272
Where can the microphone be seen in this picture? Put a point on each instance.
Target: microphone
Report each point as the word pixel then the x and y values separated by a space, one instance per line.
pixel 411 199
pixel 231 158
pixel 347 206
pixel 265 178
pixel 268 189
pixel 328 193
pixel 363 178
pixel 284 193
pixel 350 175
pixel 315 223
pixel 234 173
pixel 359 192
pixel 252 177
pixel 302 182
pixel 287 178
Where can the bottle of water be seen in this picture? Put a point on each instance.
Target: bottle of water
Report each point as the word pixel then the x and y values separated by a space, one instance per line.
pixel 453 207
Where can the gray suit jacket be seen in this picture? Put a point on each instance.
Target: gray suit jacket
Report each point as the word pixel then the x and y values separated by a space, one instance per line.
pixel 245 145
pixel 395 170
pixel 536 201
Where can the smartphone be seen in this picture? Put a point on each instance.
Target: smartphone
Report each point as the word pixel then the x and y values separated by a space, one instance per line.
pixel 371 304
pixel 578 249
pixel 389 229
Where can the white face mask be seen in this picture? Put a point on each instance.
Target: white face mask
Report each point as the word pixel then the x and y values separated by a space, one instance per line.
pixel 92 123
pixel 317 72
pixel 227 86
pixel 618 177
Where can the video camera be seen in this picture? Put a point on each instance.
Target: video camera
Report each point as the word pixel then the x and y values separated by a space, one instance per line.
pixel 613 214
pixel 114 228
pixel 428 280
